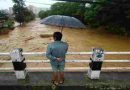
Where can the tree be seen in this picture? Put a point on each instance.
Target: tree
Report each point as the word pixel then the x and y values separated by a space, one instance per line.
pixel 18 10
pixel 42 14
pixel 28 15
pixel 3 14
pixel 113 14
pixel 22 14
pixel 91 15
pixel 65 8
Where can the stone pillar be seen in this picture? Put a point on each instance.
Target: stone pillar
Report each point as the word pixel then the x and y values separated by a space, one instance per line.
pixel 95 65
pixel 18 63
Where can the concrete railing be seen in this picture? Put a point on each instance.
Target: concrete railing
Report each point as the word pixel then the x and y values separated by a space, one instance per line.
pixel 68 68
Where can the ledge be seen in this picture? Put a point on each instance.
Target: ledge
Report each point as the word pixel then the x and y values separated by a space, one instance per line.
pixel 74 81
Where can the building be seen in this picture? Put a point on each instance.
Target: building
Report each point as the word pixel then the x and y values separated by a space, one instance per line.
pixel 11 10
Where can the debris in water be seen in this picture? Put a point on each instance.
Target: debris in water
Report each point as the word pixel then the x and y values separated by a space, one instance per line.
pixel 46 35
pixel 29 38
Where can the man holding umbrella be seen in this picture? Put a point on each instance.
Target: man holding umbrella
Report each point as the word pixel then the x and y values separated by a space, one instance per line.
pixel 56 52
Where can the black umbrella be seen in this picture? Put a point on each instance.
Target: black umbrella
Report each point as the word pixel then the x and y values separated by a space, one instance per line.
pixel 63 21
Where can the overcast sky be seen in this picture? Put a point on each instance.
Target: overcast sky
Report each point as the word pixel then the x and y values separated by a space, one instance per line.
pixel 5 4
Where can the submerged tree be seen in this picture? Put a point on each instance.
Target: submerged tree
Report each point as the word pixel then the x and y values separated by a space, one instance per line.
pixel 18 10
pixel 22 14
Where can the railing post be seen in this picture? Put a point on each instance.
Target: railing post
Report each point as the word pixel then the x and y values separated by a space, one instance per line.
pixel 95 65
pixel 18 63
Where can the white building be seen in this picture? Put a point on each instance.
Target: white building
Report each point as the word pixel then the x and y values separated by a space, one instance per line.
pixel 11 10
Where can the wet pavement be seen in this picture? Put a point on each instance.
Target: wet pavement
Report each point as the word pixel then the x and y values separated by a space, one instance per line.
pixel 71 78
pixel 73 81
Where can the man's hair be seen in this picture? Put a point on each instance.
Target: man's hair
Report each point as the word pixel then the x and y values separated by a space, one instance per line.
pixel 57 36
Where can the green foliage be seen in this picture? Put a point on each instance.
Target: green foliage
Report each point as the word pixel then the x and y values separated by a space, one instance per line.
pixel 3 14
pixel 22 14
pixel 64 8
pixel 9 24
pixel 42 14
pixel 28 15
pixel 91 14
pixel 18 10
pixel 6 21
pixel 113 14
pixel 19 2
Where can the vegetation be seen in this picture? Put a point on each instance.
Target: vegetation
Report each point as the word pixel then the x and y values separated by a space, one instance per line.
pixel 42 14
pixel 5 21
pixel 114 15
pixel 28 15
pixel 104 84
pixel 18 10
pixel 9 24
pixel 3 14
pixel 71 9
pixel 22 14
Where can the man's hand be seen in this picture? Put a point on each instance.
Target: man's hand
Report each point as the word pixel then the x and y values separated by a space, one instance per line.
pixel 59 59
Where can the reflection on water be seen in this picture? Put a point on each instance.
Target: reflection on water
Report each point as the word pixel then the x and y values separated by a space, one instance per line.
pixel 30 39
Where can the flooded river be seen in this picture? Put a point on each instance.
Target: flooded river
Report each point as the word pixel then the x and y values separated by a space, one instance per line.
pixel 29 38
pixel 32 38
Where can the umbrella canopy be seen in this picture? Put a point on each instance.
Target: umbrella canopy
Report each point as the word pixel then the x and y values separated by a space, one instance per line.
pixel 63 21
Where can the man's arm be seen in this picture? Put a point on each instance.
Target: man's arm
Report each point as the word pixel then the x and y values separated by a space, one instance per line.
pixel 48 53
pixel 67 47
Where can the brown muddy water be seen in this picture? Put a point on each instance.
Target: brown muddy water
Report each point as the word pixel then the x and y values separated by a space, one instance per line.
pixel 35 37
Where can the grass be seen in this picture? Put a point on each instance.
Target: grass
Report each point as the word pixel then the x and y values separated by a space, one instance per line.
pixel 100 84
pixel 107 84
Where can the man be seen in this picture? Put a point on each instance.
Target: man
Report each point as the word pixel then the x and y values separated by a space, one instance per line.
pixel 56 52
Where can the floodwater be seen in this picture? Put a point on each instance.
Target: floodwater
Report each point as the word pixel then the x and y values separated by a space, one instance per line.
pixel 35 37
pixel 29 38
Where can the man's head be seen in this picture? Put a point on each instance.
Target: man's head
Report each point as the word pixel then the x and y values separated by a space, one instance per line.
pixel 57 36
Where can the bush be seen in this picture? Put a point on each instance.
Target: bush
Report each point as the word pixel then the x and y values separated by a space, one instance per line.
pixel 111 14
pixel 64 8
pixel 29 15
pixel 3 14
pixel 42 14
pixel 9 24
